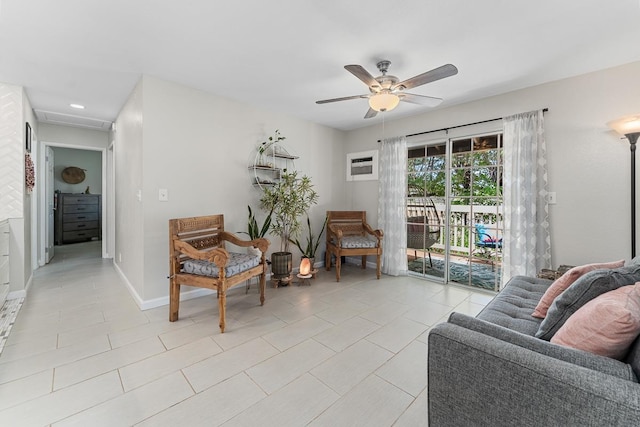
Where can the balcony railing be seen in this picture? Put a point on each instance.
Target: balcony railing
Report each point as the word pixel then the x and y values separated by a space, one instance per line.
pixel 462 240
pixel 462 220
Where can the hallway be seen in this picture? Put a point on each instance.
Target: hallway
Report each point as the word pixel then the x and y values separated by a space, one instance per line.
pixel 349 353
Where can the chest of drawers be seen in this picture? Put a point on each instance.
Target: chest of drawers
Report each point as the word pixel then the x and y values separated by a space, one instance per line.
pixel 77 218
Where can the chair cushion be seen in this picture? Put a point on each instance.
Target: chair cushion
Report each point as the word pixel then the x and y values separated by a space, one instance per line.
pixel 237 264
pixel 353 242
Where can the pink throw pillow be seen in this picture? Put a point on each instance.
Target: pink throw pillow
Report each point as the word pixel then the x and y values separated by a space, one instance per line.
pixel 607 325
pixel 566 280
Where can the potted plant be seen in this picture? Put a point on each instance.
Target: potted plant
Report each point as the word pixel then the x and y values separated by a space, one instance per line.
pixel 288 199
pixel 265 145
pixel 311 245
pixel 254 231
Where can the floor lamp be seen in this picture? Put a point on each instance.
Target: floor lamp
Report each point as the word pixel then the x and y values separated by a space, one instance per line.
pixel 629 126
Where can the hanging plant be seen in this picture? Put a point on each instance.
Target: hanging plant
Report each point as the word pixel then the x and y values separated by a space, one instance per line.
pixel 265 145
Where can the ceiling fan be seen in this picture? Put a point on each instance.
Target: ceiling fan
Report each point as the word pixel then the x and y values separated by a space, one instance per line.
pixel 387 91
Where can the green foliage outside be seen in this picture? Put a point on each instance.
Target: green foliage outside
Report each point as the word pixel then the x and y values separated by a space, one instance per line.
pixel 473 174
pixel 476 179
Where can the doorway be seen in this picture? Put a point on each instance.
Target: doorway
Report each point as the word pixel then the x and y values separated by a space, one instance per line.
pixel 53 185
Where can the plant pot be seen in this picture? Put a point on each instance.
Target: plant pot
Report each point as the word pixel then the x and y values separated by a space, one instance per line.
pixel 281 265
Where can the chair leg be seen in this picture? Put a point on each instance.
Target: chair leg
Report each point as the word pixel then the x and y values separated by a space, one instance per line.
pixel 378 266
pixel 327 260
pixel 262 286
pixel 174 300
pixel 338 266
pixel 222 307
pixel 430 261
pixel 364 262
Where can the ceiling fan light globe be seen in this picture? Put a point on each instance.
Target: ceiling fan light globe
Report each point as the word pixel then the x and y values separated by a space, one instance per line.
pixel 384 101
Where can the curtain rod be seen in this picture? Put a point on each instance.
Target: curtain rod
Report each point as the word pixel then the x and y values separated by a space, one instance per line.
pixel 544 110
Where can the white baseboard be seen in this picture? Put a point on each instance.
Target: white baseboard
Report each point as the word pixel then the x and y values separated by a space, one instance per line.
pixel 17 294
pixel 162 301
pixel 184 296
pixel 23 292
pixel 130 287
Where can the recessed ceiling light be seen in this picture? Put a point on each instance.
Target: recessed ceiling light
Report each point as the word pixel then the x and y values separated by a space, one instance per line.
pixel 78 106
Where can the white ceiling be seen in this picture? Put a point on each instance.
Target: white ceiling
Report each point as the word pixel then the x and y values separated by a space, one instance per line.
pixel 284 55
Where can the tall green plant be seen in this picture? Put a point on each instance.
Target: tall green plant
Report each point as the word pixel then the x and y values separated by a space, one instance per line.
pixel 253 230
pixel 311 246
pixel 288 199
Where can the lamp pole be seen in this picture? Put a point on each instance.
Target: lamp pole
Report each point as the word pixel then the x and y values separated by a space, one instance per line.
pixel 633 139
pixel 629 126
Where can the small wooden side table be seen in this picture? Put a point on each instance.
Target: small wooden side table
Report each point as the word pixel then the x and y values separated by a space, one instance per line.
pixel 305 278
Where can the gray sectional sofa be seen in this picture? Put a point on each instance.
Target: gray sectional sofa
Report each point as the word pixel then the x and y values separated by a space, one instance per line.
pixel 492 370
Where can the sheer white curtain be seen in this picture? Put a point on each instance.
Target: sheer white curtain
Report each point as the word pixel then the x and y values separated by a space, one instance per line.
pixel 527 243
pixel 392 212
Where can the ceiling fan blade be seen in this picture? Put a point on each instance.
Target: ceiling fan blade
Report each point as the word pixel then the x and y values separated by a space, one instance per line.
pixel 345 98
pixel 420 99
pixel 447 70
pixel 370 113
pixel 363 75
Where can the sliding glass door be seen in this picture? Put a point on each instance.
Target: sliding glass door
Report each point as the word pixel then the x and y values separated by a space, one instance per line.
pixel 454 211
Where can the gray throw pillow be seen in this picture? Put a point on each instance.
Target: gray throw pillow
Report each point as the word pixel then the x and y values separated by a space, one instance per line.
pixel 581 292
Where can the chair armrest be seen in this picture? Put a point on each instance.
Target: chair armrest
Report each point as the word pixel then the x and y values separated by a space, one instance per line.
pixel 334 230
pixel 218 256
pixel 476 379
pixel 378 234
pixel 260 243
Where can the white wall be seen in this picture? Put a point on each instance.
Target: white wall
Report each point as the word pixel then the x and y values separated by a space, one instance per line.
pixel 89 161
pixel 198 146
pixel 15 201
pixel 11 152
pixel 588 164
pixel 74 137
pixel 128 146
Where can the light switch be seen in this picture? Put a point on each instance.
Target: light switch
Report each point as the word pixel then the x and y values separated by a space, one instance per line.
pixel 163 195
pixel 551 197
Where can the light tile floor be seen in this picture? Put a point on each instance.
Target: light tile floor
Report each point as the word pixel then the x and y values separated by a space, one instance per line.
pixel 331 354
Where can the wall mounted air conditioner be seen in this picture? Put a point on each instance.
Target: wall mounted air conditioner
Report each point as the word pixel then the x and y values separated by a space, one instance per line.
pixel 362 166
